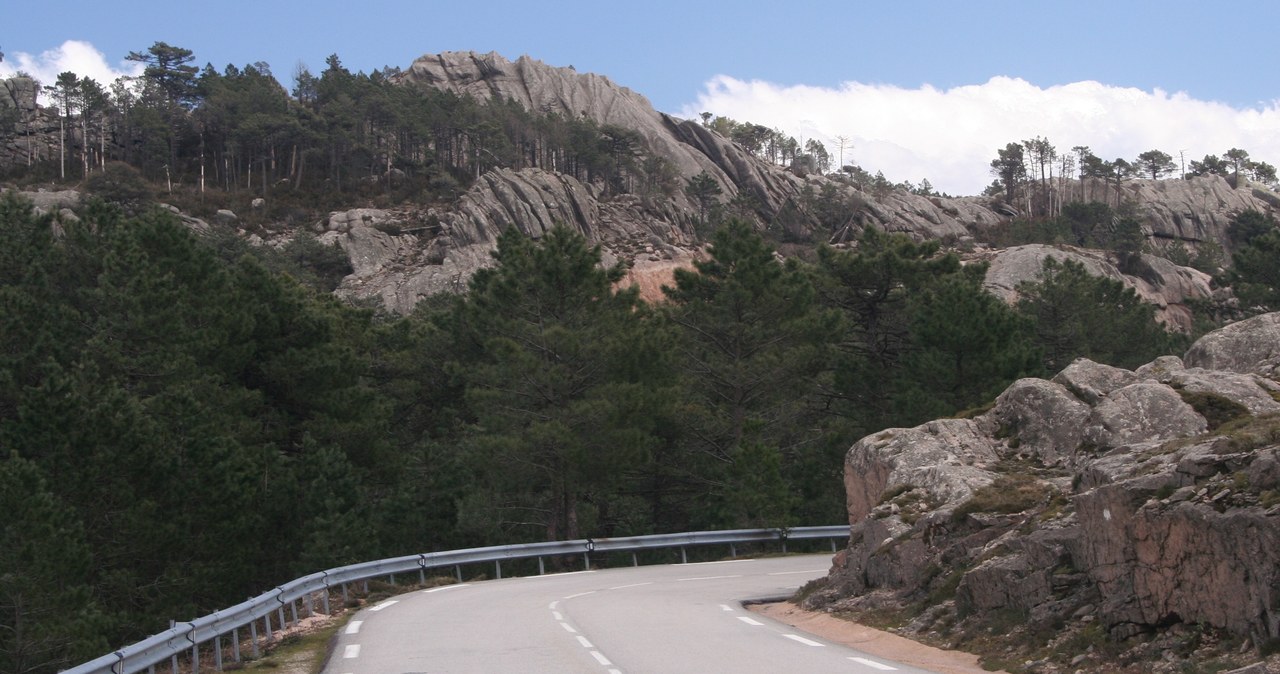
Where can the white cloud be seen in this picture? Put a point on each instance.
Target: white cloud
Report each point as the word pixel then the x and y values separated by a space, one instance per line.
pixel 76 56
pixel 951 136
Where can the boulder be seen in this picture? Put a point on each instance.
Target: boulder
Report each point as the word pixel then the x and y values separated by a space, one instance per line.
pixel 226 217
pixel 1042 417
pixel 1091 382
pixel 1251 346
pixel 1143 412
pixel 947 458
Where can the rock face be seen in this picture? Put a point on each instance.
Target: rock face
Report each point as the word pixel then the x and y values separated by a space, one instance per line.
pixel 534 199
pixel 443 257
pixel 1166 285
pixel 1102 496
pixel 33 135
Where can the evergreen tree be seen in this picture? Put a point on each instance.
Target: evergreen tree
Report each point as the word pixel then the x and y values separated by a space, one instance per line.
pixel 48 618
pixel 753 339
pixel 1077 314
pixel 554 405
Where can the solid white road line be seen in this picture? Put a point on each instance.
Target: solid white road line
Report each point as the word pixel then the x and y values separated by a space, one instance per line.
pixel 352 651
pixel 788 573
pixel 875 665
pixel 580 594
pixel 445 587
pixel 353 627
pixel 807 642
pixel 723 561
pixel 558 575
pixel 623 587
pixel 600 658
pixel 384 604
pixel 750 621
pixel 708 578
pixel 726 607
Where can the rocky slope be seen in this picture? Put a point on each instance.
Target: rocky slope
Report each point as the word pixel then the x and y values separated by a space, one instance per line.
pixel 632 230
pixel 420 250
pixel 1081 512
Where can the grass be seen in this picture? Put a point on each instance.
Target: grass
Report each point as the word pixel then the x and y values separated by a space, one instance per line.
pixel 1007 494
pixel 297 653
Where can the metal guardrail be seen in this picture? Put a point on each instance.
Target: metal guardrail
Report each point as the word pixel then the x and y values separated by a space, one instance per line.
pixel 229 623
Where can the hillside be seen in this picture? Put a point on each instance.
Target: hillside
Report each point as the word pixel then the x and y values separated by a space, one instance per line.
pixel 626 190
pixel 189 415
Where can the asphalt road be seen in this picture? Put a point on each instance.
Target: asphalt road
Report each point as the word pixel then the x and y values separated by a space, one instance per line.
pixel 659 619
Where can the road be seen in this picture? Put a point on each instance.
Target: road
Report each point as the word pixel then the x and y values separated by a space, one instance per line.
pixel 660 619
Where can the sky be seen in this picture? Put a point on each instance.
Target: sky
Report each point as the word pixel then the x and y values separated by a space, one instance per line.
pixel 921 88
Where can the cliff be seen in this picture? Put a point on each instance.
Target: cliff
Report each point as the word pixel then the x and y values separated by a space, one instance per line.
pixel 1086 510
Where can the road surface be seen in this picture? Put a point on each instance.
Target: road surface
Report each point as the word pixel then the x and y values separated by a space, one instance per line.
pixel 659 619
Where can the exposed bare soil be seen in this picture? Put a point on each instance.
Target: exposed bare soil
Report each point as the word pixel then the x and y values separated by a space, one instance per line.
pixel 875 642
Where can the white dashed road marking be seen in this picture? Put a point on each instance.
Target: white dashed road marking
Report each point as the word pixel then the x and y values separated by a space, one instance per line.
pixel 585 644
pixel 623 587
pixel 353 627
pixel 726 607
pixel 352 651
pixel 806 642
pixel 600 658
pixel 875 665
pixel 708 578
pixel 384 604
pixel 750 621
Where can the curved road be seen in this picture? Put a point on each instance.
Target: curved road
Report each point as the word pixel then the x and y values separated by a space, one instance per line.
pixel 661 619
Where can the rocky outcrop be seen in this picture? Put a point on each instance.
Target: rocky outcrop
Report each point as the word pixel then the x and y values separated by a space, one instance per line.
pixel 1102 496
pixel 1250 346
pixel 401 257
pixel 1168 286
pixel 32 133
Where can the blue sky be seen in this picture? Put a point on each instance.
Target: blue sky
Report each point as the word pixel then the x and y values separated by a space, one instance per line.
pixel 896 77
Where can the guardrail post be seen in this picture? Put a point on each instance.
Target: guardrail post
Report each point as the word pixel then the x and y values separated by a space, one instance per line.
pixel 266 619
pixel 235 644
pixel 833 545
pixel 293 610
pixel 118 668
pixel 422 576
pixel 311 605
pixel 497 565
pixel 684 559
pixel 634 561
pixel 541 569
pixel 217 652
pixel 280 617
pixel 391 578
pixel 457 569
pixel 733 551
pixel 345 599
pixel 253 637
